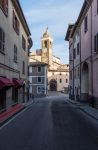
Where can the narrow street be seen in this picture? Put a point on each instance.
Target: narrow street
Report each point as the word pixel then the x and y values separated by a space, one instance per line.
pixel 48 124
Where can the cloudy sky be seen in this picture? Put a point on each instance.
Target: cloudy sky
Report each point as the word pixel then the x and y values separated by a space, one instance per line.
pixel 56 14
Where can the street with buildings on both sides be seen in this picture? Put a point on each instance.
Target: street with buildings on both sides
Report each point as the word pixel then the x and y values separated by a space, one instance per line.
pixel 44 104
pixel 50 123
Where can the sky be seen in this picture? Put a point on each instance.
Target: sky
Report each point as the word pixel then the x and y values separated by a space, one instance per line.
pixel 54 14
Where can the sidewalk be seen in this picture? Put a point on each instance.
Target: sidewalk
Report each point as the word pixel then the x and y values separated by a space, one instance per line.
pixel 86 108
pixel 9 113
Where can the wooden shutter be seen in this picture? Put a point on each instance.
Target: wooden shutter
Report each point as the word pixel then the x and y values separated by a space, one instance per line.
pixel 6 7
pixel 17 26
pixel 95 44
pixel 13 19
pixel 3 41
pixel 0 39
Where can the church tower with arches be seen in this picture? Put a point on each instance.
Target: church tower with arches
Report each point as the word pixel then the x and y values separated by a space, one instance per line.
pixel 47 46
pixel 57 73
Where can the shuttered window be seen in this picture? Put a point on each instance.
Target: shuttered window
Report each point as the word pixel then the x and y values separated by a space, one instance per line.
pixel 96 43
pixel 15 23
pixel 4 6
pixel 23 43
pixel 23 67
pixel 74 53
pixel 85 24
pixel 39 79
pixel 78 49
pixel 2 40
pixel 15 53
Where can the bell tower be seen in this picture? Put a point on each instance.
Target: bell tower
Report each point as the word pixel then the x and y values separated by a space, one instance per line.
pixel 46 44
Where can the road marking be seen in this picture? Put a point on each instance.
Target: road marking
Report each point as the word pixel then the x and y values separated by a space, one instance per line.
pixel 14 117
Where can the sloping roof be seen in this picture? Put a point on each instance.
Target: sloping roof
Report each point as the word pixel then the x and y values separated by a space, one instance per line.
pixel 63 67
pixel 70 27
pixel 38 64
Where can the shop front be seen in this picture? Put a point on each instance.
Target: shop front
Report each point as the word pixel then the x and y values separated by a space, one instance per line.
pixel 5 85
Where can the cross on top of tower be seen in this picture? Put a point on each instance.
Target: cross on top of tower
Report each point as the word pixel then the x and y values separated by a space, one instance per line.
pixel 46 33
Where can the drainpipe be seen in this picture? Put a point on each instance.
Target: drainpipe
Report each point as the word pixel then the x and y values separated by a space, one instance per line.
pixel 73 75
pixel 80 63
pixel 91 61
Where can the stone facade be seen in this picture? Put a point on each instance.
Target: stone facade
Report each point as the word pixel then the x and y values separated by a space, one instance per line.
pixel 11 60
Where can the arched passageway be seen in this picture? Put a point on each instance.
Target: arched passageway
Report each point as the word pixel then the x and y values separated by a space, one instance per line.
pixel 53 85
pixel 85 81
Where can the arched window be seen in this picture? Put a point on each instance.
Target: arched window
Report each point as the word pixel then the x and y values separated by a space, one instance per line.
pixel 45 44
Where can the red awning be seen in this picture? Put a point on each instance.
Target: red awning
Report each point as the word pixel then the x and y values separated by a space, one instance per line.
pixel 17 83
pixel 5 82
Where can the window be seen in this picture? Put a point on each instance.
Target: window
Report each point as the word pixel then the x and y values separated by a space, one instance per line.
pixel 60 80
pixel 4 6
pixel 66 80
pixel 85 24
pixel 23 43
pixel 40 89
pixel 15 53
pixel 60 73
pixel 30 69
pixel 45 44
pixel 39 79
pixel 78 71
pixel 66 74
pixel 23 67
pixel 70 75
pixel 74 53
pixel 50 44
pixel 15 23
pixel 96 43
pixel 2 40
pixel 39 69
pixel 70 57
pixel 78 49
pixel 75 73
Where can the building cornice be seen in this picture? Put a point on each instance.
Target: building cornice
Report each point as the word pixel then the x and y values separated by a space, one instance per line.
pixel 69 30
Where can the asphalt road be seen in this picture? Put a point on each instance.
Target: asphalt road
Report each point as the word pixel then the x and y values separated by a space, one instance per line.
pixel 48 124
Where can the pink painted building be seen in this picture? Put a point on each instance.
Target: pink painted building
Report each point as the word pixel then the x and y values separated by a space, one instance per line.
pixel 87 23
